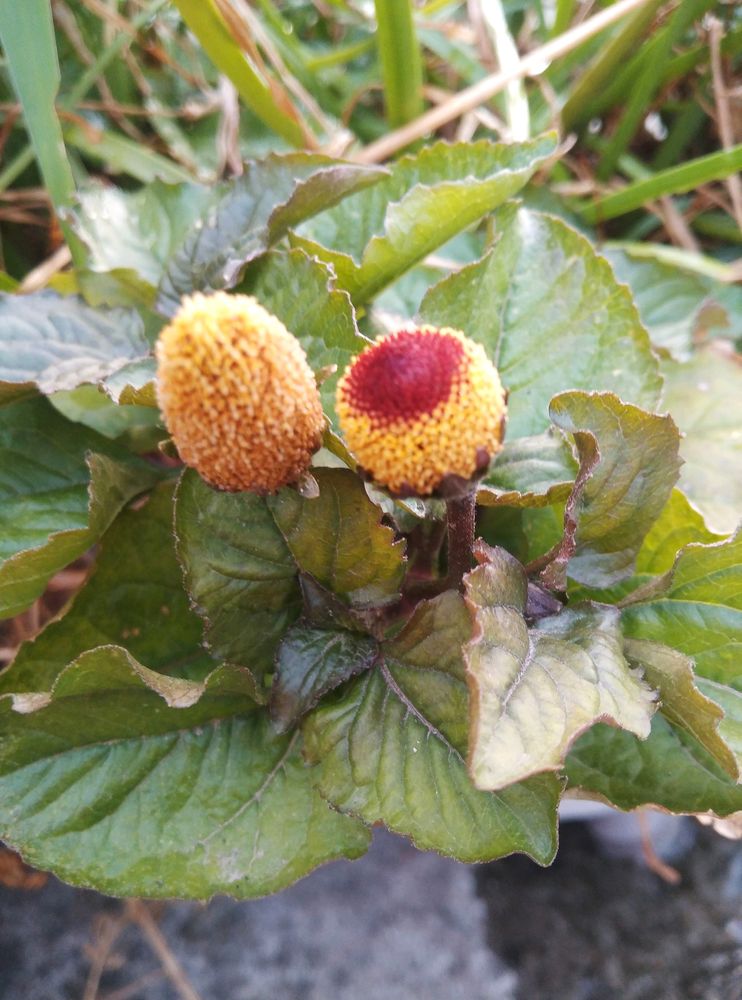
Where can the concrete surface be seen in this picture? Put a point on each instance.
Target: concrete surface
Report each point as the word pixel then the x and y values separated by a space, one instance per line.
pixel 395 925
pixel 400 925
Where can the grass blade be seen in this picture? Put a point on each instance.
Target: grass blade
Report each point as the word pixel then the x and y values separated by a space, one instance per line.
pixel 27 36
pixel 207 24
pixel 676 180
pixel 563 16
pixel 640 92
pixel 401 62
pixel 579 105
pixel 483 90
pixel 123 155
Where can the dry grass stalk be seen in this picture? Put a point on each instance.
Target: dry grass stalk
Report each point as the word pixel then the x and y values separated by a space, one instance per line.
pixel 724 121
pixel 466 100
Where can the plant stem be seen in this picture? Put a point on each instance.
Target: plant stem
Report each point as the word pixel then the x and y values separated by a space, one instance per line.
pixel 460 516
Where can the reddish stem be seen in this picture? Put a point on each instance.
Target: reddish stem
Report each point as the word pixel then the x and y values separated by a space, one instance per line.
pixel 460 514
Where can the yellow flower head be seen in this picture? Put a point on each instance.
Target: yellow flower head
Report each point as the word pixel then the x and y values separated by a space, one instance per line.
pixel 421 405
pixel 237 393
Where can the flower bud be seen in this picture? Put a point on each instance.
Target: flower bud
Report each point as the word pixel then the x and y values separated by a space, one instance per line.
pixel 422 409
pixel 237 394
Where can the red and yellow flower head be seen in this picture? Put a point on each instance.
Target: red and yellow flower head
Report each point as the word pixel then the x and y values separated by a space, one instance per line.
pixel 421 405
pixel 237 394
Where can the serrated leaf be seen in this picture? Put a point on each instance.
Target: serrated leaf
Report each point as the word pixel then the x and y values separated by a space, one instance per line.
pixel 134 598
pixel 251 214
pixel 61 485
pixel 629 466
pixel 309 663
pixel 110 787
pixel 669 769
pixel 551 314
pixel 238 570
pixel 339 540
pixel 697 609
pixel 375 236
pixel 535 471
pixel 389 749
pixel 50 342
pixel 705 396
pixel 533 691
pixel 681 702
pixel 301 292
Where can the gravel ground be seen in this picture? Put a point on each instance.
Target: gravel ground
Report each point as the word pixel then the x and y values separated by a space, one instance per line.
pixel 400 925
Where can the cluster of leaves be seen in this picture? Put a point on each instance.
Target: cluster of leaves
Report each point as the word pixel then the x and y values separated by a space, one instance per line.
pixel 245 685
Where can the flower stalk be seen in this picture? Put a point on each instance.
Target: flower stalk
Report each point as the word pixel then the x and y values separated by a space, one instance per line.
pixel 460 520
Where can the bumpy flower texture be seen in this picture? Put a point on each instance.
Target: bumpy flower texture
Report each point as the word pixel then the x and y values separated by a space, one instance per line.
pixel 421 405
pixel 237 393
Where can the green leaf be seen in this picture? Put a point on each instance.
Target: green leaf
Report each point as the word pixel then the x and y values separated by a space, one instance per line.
pixel 550 314
pixel 376 235
pixel 91 406
pixel 134 383
pixel 670 770
pixel 528 533
pixel 252 214
pixel 139 230
pixel 134 598
pixel 339 540
pixel 309 663
pixel 109 784
pixel 51 342
pixel 238 570
pixel 120 287
pixel 697 608
pixel 535 471
pixel 389 749
pixel 535 690
pixel 61 485
pixel 730 701
pixel 301 292
pixel 678 525
pixel 705 396
pixel 121 155
pixel 672 302
pixel 629 466
pixel 681 702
